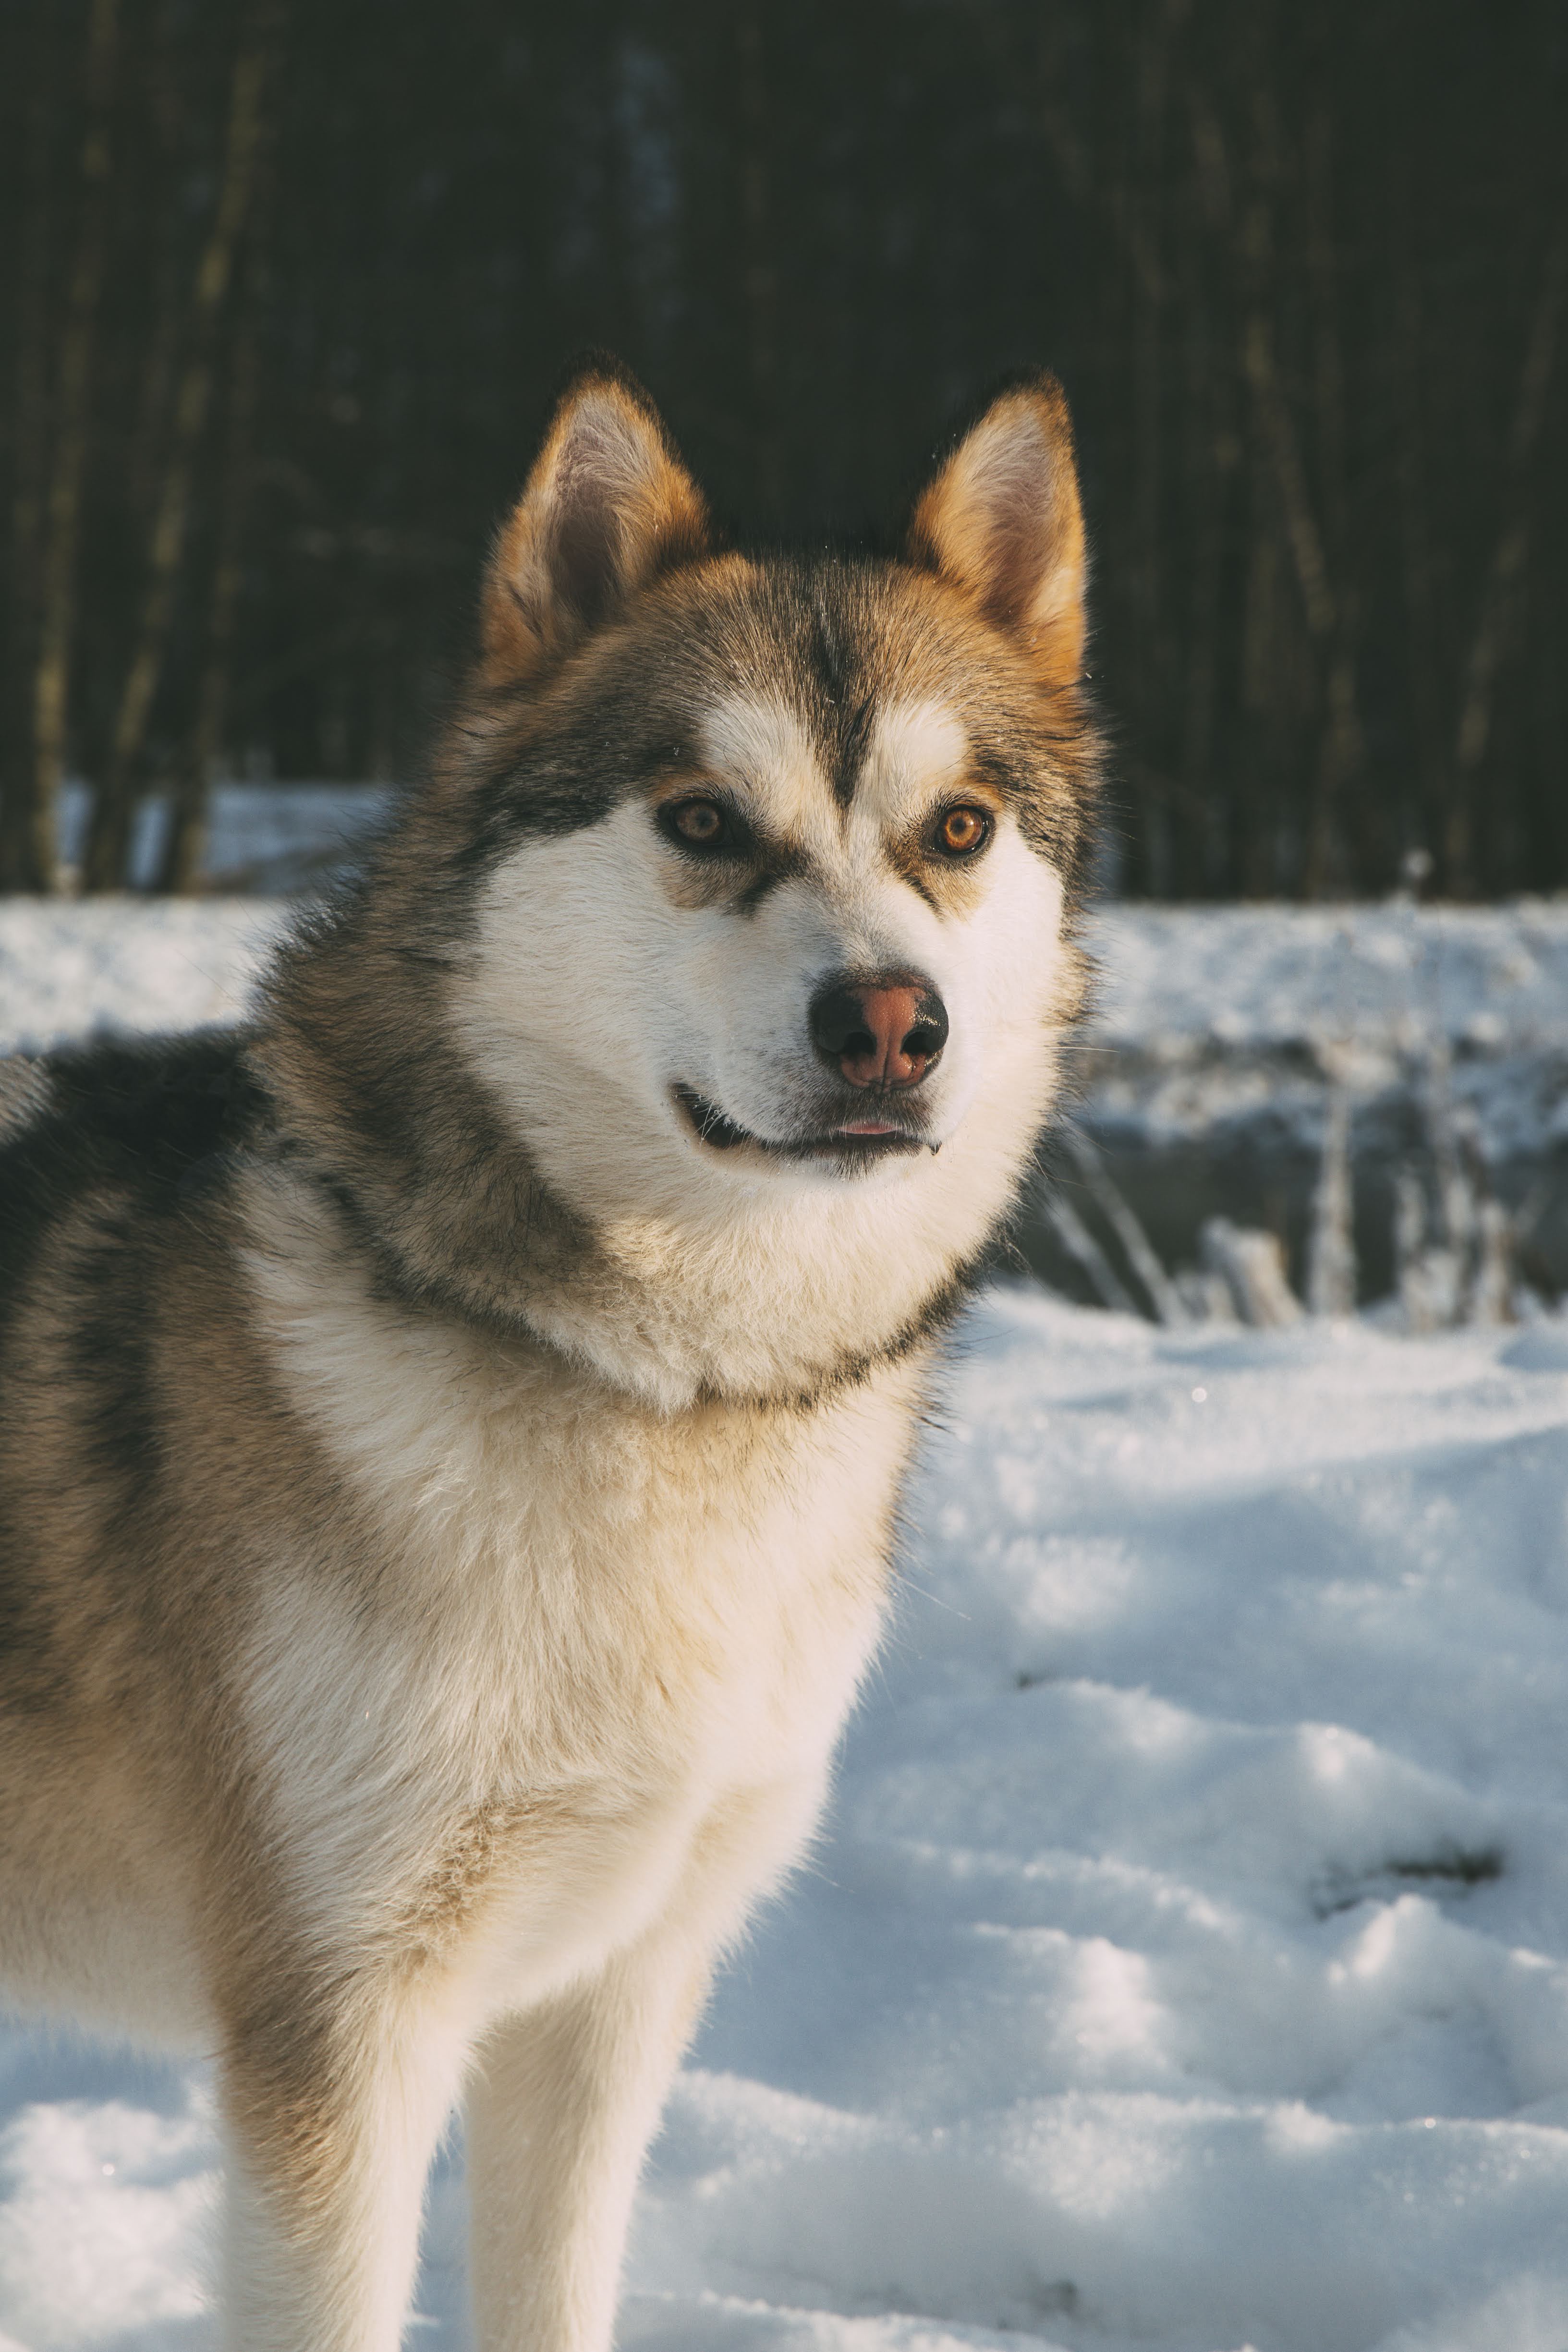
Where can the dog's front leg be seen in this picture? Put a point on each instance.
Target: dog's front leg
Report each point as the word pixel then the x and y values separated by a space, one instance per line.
pixel 564 2100
pixel 560 2109
pixel 331 2114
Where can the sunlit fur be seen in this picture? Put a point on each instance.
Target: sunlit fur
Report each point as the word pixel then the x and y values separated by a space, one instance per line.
pixel 447 1498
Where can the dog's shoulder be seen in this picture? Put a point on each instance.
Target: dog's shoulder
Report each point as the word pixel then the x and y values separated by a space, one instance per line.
pixel 145 1121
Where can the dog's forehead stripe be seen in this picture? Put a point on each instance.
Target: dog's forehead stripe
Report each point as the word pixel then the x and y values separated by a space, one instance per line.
pixel 893 758
pixel 915 749
pixel 760 741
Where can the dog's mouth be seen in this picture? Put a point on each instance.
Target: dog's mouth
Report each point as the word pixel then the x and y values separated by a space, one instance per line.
pixel 864 1136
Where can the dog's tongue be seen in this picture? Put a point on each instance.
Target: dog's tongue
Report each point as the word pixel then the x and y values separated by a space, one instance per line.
pixel 868 1127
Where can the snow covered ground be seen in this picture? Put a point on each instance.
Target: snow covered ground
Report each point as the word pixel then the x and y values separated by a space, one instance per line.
pixel 1212 1017
pixel 1222 1032
pixel 67 967
pixel 1173 978
pixel 1184 1966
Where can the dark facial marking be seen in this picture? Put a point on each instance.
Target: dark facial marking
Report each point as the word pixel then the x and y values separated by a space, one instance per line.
pixel 854 733
pixel 829 648
pixel 845 710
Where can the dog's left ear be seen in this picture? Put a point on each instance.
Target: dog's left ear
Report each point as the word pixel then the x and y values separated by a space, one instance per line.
pixel 607 507
pixel 1002 521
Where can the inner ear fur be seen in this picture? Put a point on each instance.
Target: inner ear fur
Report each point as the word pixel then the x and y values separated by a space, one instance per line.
pixel 1002 521
pixel 607 507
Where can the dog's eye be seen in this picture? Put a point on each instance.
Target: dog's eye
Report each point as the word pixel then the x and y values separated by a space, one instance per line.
pixel 698 824
pixel 961 831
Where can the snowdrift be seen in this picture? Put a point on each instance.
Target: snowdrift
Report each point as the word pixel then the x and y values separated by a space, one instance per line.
pixel 1185 1962
pixel 1222 1030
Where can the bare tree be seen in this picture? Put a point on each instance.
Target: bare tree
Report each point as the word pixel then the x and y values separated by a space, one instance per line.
pixel 759 273
pixel 1417 552
pixel 184 845
pixel 1249 228
pixel 1503 579
pixel 72 426
pixel 26 858
pixel 1294 270
pixel 253 67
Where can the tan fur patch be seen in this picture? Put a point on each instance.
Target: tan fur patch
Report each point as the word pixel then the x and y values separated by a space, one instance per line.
pixel 1004 521
pixel 606 503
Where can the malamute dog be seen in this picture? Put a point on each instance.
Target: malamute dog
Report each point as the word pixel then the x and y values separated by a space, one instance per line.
pixel 451 1429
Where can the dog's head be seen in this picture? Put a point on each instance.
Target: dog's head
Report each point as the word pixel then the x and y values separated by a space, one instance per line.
pixel 778 850
pixel 749 880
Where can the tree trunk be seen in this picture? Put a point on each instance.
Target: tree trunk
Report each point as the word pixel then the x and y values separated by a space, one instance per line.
pixel 1505 573
pixel 1141 202
pixel 161 339
pixel 1417 555
pixel 107 844
pixel 1348 837
pixel 185 848
pixel 73 392
pixel 759 272
pixel 1209 455
pixel 21 865
pixel 1342 747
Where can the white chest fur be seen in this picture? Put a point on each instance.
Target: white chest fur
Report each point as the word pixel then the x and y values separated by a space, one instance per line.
pixel 580 1631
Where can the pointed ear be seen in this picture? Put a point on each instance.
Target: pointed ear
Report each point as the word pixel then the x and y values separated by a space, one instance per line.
pixel 607 507
pixel 1003 522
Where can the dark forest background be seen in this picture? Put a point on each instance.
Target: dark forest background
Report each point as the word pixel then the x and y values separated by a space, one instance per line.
pixel 287 290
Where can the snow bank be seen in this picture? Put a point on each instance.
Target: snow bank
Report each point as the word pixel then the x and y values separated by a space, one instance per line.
pixel 1381 975
pixel 70 967
pixel 1205 1078
pixel 1215 1025
pixel 1186 1963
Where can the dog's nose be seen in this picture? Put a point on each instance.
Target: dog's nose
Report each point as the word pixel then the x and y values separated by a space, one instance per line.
pixel 880 1032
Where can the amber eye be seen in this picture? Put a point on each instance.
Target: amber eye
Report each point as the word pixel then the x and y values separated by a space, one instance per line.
pixel 961 831
pixel 698 824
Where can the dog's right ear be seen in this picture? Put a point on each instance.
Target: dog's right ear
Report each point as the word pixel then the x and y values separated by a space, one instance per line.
pixel 607 507
pixel 1003 522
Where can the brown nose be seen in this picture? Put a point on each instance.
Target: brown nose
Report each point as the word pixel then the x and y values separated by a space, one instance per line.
pixel 880 1032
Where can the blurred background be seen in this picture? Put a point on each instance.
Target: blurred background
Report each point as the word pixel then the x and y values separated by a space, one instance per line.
pixel 287 288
